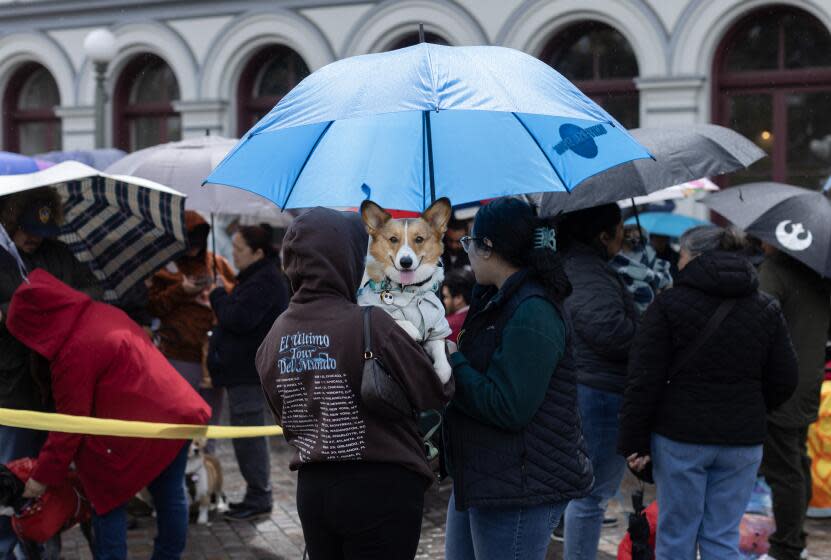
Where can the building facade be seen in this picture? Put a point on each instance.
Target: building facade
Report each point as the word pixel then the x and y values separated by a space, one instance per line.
pixel 762 67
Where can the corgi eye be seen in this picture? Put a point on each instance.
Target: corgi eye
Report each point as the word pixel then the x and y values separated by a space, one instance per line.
pixel 393 239
pixel 419 239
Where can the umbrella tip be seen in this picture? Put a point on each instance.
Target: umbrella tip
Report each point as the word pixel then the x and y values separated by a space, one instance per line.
pixel 421 33
pixel 207 132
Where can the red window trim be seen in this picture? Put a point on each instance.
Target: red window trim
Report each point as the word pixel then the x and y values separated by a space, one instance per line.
pixel 123 112
pixel 14 116
pixel 776 83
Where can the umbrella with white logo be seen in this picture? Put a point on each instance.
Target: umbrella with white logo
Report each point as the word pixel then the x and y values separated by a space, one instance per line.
pixel 795 220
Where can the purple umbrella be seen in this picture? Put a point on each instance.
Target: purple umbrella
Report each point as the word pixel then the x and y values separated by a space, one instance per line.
pixel 15 164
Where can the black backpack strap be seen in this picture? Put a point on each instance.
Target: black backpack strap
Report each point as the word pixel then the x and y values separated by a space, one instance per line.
pixel 709 329
pixel 367 314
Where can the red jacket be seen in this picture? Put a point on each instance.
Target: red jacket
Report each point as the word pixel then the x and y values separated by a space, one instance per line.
pixel 103 365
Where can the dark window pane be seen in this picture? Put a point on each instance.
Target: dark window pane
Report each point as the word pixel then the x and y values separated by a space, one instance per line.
pixel 591 50
pixel 144 132
pixel 807 42
pixel 625 108
pixel 39 136
pixel 809 118
pixel 154 83
pixel 755 46
pixel 39 91
pixel 174 128
pixel 280 74
pixel 752 116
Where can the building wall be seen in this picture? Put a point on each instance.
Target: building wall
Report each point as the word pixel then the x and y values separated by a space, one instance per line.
pixel 208 43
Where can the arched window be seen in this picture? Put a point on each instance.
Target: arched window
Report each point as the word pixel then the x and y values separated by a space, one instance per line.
pixel 599 61
pixel 411 39
pixel 772 83
pixel 31 126
pixel 143 104
pixel 270 74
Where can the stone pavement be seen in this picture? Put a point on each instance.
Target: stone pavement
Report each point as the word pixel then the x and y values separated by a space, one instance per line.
pixel 281 538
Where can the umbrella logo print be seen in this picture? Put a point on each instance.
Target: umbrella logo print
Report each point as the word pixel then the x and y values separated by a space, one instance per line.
pixel 579 140
pixel 793 236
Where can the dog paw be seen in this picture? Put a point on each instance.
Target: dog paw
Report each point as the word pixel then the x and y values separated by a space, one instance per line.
pixel 410 329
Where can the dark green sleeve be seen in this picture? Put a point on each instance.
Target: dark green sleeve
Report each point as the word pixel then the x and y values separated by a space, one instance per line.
pixel 511 391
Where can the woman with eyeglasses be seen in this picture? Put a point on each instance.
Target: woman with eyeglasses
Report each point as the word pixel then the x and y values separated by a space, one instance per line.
pixel 514 443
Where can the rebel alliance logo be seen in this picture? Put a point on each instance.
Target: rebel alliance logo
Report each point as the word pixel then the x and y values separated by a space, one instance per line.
pixel 793 236
pixel 579 140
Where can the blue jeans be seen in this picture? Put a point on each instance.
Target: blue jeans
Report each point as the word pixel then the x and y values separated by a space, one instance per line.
pixel 584 517
pixel 16 443
pixel 171 504
pixel 702 494
pixel 500 534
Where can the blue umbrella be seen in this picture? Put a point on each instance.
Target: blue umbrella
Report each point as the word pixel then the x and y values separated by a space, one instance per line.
pixel 100 158
pixel 409 126
pixel 664 223
pixel 16 164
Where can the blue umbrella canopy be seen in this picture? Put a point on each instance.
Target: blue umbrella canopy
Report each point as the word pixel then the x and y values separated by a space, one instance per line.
pixel 409 126
pixel 665 223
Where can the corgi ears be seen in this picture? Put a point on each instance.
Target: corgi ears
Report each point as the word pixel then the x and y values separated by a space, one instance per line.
pixel 373 216
pixel 438 215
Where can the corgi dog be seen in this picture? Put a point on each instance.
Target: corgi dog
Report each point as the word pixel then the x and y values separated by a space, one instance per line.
pixel 404 272
pixel 204 472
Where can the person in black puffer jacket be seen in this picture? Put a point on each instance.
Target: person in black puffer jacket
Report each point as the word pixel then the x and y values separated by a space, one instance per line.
pixel 244 318
pixel 513 436
pixel 703 428
pixel 604 319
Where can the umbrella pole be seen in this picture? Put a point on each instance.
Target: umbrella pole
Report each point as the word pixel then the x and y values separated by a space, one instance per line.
pixel 429 134
pixel 213 247
pixel 638 221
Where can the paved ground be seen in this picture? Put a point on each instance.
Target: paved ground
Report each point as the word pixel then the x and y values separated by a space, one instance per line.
pixel 281 537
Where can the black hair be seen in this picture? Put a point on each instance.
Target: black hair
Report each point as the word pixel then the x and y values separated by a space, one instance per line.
pixel 460 282
pixel 259 237
pixel 456 224
pixel 584 226
pixel 511 226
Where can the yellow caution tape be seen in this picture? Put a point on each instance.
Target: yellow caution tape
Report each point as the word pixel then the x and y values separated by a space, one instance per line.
pixel 126 428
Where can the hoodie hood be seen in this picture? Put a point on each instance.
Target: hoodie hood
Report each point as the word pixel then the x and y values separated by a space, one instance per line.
pixel 43 313
pixel 720 273
pixel 324 254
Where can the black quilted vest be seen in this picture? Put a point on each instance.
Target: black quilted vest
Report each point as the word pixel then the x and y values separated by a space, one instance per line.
pixel 546 462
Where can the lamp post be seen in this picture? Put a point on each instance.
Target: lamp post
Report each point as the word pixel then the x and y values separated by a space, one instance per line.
pixel 100 48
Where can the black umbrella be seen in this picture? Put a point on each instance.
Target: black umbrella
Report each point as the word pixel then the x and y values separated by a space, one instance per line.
pixel 796 221
pixel 681 155
pixel 639 530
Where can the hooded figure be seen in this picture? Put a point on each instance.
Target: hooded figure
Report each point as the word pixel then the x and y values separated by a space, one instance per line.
pixel 103 365
pixel 362 477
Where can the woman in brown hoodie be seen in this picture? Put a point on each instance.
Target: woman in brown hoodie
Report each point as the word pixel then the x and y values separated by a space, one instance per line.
pixel 362 478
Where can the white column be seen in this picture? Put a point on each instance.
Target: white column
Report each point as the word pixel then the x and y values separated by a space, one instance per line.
pixel 671 101
pixel 198 117
pixel 77 127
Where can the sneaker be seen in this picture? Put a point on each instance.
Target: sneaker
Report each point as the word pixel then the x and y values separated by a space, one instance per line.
pixel 247 514
pixel 610 522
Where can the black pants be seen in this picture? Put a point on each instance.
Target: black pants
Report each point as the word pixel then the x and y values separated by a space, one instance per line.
pixel 786 467
pixel 360 510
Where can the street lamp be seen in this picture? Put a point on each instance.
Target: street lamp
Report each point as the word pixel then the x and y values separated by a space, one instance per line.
pixel 100 48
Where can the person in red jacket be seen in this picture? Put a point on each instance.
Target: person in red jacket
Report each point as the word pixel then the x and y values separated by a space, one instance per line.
pixel 103 365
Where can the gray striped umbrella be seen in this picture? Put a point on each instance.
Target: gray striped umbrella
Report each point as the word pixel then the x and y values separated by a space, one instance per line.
pixel 124 228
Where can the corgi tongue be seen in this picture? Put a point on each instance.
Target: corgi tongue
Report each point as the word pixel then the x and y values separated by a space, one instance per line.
pixel 407 277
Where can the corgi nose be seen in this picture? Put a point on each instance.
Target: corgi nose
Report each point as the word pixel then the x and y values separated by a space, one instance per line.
pixel 406 262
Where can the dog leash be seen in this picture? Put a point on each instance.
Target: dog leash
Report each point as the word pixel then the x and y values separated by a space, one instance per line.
pixel 53 422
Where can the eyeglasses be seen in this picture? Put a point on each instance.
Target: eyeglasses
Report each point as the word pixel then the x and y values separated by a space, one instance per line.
pixel 467 242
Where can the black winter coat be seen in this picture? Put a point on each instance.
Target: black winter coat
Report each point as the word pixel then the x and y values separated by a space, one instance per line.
pixel 722 395
pixel 603 317
pixel 244 318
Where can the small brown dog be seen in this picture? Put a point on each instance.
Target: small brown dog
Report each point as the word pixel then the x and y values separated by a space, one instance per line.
pixel 205 473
